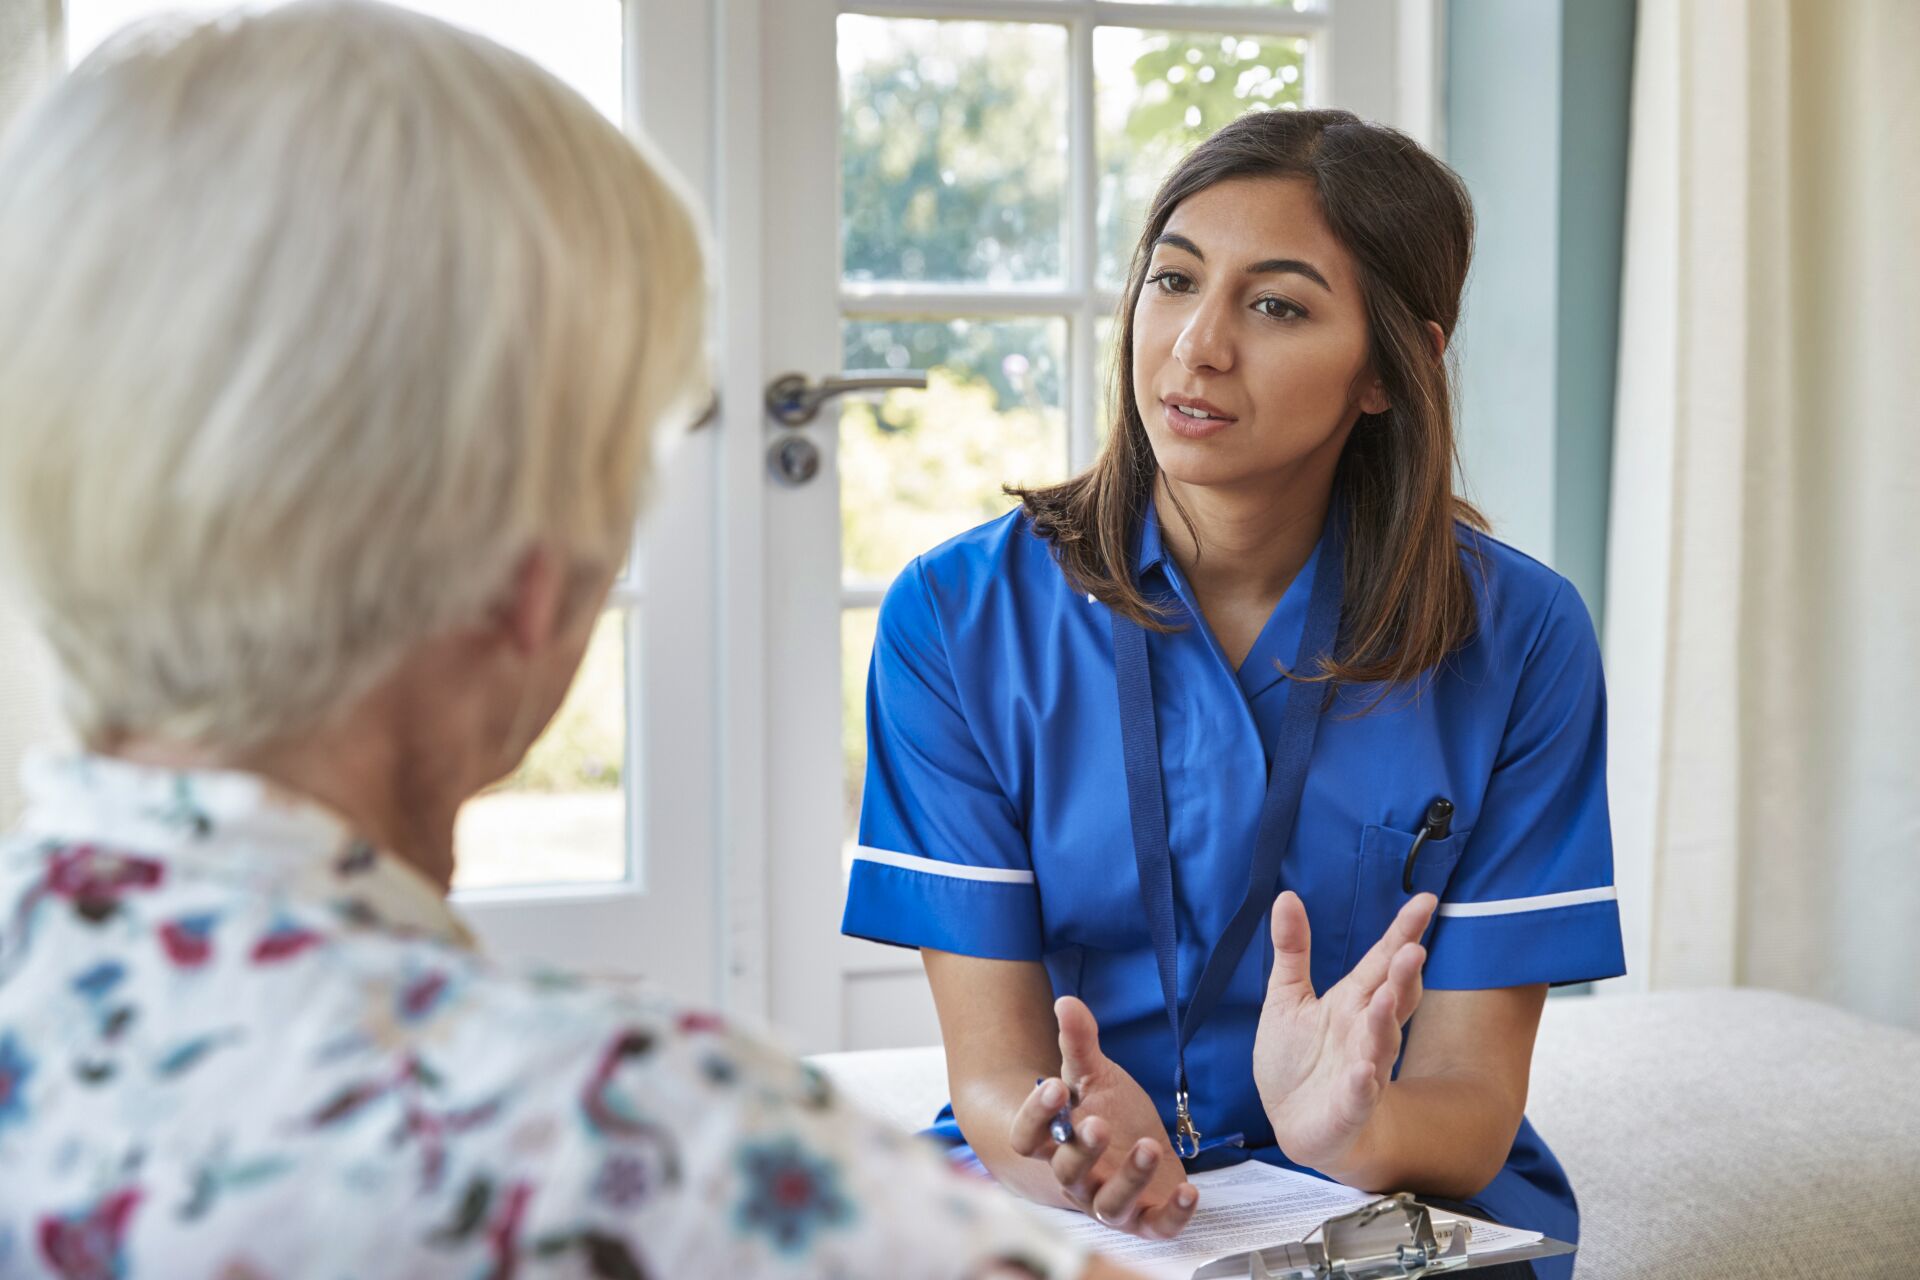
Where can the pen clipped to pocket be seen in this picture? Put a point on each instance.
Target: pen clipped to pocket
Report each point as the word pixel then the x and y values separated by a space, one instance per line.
pixel 1395 864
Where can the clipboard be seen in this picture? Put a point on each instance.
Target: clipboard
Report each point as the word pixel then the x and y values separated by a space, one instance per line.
pixel 1394 1238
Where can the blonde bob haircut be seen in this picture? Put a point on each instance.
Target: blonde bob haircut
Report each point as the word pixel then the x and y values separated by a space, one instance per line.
pixel 313 322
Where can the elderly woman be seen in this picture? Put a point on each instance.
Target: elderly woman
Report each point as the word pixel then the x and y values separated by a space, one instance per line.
pixel 332 341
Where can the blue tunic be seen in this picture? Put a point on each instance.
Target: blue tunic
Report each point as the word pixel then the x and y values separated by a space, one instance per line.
pixel 995 819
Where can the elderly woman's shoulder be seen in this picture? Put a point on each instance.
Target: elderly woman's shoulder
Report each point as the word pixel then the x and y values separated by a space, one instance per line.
pixel 534 1028
pixel 436 983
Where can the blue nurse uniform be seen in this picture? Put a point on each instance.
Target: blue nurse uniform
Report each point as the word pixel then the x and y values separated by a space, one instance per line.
pixel 995 821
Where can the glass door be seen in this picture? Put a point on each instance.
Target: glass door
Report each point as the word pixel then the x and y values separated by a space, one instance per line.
pixel 959 188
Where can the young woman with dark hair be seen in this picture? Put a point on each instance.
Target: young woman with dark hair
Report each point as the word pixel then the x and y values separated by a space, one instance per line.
pixel 1259 665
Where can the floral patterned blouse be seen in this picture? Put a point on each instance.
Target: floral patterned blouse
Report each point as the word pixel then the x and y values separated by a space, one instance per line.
pixel 235 1042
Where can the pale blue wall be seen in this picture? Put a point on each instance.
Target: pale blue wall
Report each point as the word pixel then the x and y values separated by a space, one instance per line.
pixel 1537 104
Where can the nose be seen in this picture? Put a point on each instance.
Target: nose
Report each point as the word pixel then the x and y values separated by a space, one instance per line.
pixel 1205 343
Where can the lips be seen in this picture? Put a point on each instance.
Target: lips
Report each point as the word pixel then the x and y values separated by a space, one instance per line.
pixel 1198 405
pixel 1173 412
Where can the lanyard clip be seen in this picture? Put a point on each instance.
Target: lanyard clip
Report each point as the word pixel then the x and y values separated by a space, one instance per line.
pixel 1186 1138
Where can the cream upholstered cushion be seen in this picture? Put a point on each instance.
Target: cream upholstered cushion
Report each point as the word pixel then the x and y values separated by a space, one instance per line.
pixel 1733 1134
pixel 1722 1135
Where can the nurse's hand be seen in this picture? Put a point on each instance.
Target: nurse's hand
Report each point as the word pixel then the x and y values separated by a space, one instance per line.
pixel 1119 1167
pixel 1321 1063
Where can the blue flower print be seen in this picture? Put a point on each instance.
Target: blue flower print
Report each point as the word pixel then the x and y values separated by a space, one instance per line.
pixel 100 979
pixel 790 1195
pixel 15 1070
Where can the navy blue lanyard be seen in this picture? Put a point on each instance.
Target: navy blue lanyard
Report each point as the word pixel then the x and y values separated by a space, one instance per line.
pixel 1286 778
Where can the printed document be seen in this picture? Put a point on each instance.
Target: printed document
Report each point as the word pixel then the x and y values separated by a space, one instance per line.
pixel 1250 1206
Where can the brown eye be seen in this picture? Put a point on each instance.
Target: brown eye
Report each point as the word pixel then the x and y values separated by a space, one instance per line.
pixel 1279 309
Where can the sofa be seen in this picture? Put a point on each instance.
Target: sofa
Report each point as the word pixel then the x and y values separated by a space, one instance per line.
pixel 1714 1134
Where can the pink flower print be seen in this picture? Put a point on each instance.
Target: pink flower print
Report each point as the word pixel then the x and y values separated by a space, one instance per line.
pixel 87 1245
pixel 95 879
pixel 284 941
pixel 607 1110
pixel 410 1086
pixel 421 996
pixel 695 1021
pixel 503 1233
pixel 188 941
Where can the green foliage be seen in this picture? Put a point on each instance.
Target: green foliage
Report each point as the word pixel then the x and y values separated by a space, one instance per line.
pixel 935 468
pixel 1019 360
pixel 1191 85
pixel 952 139
pixel 1183 88
pixel 953 165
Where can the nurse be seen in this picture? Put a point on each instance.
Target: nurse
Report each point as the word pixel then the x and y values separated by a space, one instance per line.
pixel 1242 790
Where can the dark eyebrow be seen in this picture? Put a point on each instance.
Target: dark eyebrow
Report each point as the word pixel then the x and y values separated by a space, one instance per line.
pixel 1272 266
pixel 1277 266
pixel 1180 242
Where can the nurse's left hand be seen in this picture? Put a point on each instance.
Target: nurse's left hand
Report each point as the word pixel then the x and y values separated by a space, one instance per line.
pixel 1321 1063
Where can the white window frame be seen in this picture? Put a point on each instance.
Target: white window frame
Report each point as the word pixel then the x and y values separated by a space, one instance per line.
pixel 674 655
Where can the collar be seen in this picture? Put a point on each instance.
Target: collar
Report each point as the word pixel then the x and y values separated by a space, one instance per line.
pixel 235 828
pixel 1277 647
pixel 1152 550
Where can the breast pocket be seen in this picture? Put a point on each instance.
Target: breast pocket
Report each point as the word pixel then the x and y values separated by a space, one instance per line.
pixel 1379 890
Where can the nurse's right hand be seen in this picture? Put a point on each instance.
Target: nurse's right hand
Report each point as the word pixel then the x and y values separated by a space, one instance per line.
pixel 1119 1166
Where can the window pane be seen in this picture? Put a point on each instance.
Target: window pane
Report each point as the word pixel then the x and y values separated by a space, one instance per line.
pixel 953 142
pixel 1159 93
pixel 920 466
pixel 561 817
pixel 857 628
pixel 577 40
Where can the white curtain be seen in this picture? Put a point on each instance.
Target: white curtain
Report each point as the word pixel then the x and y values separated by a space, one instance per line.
pixel 30 50
pixel 1763 592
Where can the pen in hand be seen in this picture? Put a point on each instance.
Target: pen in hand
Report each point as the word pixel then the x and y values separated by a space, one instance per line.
pixel 1060 1128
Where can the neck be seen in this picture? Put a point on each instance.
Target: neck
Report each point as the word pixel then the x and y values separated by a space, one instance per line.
pixel 363 775
pixel 1245 543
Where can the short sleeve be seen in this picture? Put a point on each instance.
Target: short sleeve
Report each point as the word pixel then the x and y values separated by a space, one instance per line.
pixel 943 859
pixel 1533 897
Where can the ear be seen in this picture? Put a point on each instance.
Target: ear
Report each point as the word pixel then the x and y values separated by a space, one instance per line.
pixel 530 614
pixel 1373 398
pixel 1438 338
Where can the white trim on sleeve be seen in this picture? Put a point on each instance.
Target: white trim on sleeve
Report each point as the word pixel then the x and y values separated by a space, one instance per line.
pixel 935 867
pixel 1543 902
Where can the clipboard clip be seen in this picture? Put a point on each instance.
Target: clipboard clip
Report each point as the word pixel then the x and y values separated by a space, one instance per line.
pixel 1389 1239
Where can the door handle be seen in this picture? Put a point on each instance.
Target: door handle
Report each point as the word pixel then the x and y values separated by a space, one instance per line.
pixel 794 400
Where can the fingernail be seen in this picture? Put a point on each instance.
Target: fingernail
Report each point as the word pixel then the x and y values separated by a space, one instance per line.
pixel 1185 1197
pixel 1143 1159
pixel 1052 1095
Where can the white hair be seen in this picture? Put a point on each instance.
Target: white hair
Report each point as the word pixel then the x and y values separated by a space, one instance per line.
pixel 313 321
